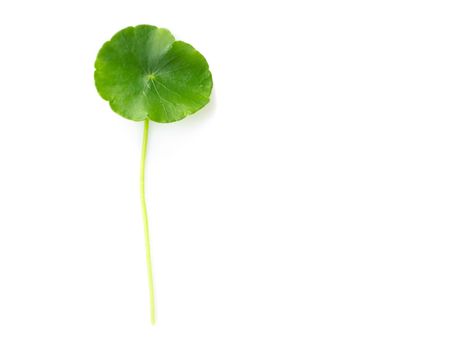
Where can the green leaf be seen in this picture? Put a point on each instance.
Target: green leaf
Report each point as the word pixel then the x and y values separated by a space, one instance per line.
pixel 144 73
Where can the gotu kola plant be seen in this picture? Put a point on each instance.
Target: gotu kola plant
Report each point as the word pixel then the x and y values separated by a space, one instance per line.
pixel 146 75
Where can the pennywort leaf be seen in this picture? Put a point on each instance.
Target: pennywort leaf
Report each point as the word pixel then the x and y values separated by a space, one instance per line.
pixel 145 74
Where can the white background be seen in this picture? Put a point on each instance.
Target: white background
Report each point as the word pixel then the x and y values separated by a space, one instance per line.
pixel 311 205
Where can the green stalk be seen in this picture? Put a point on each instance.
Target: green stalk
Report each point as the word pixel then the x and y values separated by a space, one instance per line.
pixel 145 223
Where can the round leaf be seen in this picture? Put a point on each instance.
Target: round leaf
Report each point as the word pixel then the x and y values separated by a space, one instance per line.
pixel 144 73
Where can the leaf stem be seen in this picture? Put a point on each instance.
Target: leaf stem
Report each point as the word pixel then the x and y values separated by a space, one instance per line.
pixel 145 222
